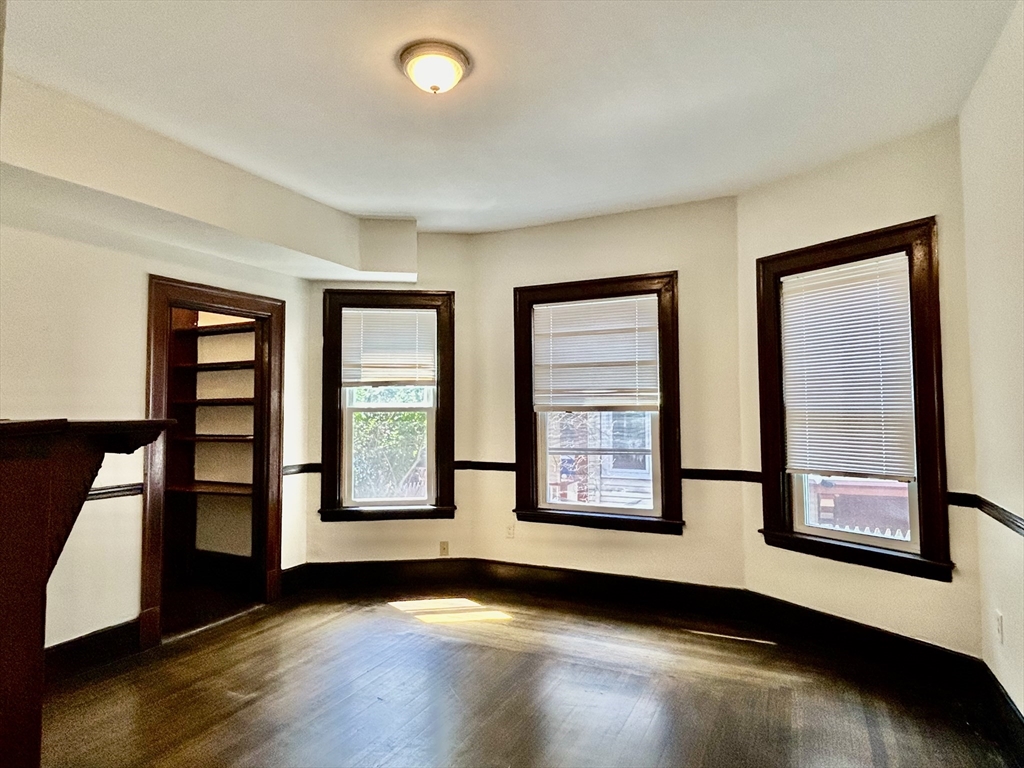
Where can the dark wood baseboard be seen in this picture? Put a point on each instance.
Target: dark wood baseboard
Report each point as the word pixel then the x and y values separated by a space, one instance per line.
pixel 1004 714
pixel 93 650
pixel 150 632
pixel 369 577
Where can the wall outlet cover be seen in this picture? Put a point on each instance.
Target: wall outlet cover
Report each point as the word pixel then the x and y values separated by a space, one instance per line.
pixel 444 549
pixel 510 531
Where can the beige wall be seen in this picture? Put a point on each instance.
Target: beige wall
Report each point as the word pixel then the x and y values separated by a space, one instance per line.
pixel 73 344
pixel 905 180
pixel 992 152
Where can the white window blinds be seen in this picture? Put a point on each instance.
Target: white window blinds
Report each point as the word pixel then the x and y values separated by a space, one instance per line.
pixel 848 370
pixel 388 346
pixel 592 355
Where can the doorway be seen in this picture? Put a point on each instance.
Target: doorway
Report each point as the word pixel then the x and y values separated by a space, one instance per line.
pixel 211 538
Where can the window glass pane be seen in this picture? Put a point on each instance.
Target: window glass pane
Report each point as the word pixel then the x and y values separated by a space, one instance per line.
pixel 389 455
pixel 871 507
pixel 599 458
pixel 390 395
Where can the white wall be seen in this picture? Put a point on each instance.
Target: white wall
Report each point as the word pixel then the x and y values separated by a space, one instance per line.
pixel 73 344
pixel 992 155
pixel 901 181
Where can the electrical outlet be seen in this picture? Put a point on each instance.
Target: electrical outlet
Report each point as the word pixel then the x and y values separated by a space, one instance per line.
pixel 444 549
pixel 999 626
pixel 510 531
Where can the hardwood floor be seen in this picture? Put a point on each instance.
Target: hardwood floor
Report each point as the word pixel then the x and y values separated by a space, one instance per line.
pixel 321 681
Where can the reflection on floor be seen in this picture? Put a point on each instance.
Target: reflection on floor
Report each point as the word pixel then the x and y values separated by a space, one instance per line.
pixel 320 681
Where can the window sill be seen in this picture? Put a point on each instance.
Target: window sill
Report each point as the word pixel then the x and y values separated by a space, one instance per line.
pixel 602 520
pixel 860 554
pixel 353 514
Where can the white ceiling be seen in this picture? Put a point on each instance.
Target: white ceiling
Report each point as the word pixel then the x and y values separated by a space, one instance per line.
pixel 572 109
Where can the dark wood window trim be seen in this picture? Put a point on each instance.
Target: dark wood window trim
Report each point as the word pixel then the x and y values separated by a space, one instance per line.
pixel 332 508
pixel 527 509
pixel 916 240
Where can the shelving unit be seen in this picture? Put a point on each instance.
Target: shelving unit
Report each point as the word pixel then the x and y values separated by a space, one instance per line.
pixel 211 521
pixel 208 497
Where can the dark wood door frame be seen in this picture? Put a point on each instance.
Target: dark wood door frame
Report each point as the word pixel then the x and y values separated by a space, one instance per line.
pixel 268 314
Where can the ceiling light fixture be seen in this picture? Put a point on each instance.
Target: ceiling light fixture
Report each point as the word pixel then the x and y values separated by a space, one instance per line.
pixel 434 66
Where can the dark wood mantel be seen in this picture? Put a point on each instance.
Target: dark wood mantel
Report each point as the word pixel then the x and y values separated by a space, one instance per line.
pixel 46 471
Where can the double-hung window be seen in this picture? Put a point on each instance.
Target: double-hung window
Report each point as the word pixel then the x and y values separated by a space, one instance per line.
pixel 387 405
pixel 597 435
pixel 851 401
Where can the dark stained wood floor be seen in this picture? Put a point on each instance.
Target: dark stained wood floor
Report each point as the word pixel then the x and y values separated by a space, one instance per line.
pixel 321 681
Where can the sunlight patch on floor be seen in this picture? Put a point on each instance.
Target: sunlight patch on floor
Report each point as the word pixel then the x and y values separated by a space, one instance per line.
pixel 448 610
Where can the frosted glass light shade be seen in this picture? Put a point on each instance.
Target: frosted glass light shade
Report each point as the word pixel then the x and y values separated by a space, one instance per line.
pixel 433 66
